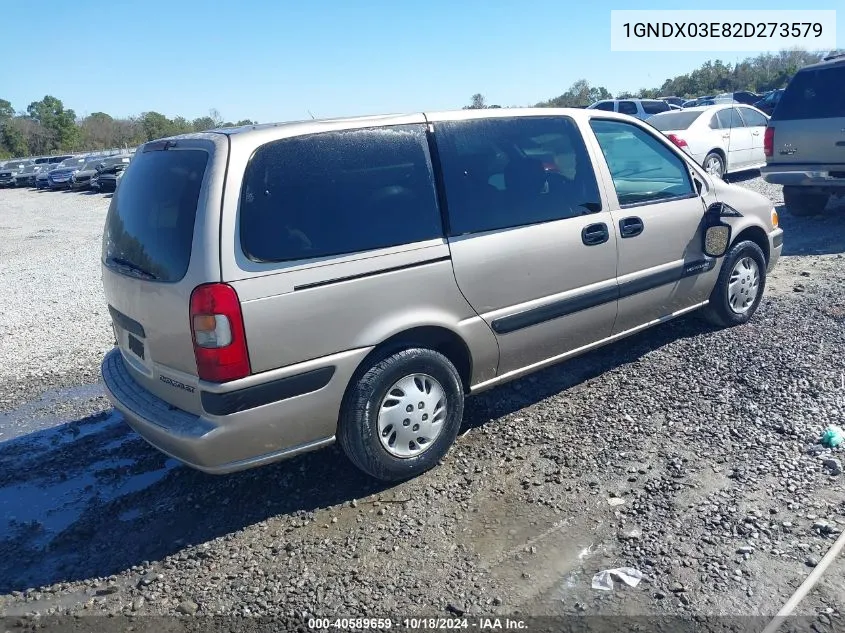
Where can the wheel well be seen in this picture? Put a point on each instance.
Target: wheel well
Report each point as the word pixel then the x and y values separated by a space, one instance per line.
pixel 756 235
pixel 436 338
pixel 718 151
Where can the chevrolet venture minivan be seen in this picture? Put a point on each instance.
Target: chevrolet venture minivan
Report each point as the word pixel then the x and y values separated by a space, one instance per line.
pixel 273 288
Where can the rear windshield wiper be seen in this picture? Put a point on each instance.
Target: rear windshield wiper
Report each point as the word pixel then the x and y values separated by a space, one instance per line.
pixel 129 266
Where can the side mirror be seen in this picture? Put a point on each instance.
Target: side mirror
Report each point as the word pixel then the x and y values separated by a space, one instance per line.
pixel 717 232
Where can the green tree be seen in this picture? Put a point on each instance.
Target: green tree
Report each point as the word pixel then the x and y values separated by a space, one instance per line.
pixel 97 130
pixel 52 116
pixel 579 94
pixel 6 110
pixel 155 125
pixel 181 125
pixel 477 102
pixel 13 140
pixel 203 123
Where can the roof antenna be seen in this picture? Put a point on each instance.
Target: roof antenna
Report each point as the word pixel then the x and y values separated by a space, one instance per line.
pixel 311 115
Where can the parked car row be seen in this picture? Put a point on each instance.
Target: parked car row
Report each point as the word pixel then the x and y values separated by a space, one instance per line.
pixel 645 108
pixel 95 172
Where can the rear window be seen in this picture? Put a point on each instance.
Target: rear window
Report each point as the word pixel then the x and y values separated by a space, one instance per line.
pixel 336 193
pixel 654 107
pixel 813 94
pixel 150 222
pixel 673 120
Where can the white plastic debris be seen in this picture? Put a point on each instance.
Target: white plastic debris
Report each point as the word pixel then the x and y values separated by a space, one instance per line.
pixel 604 579
pixel 615 501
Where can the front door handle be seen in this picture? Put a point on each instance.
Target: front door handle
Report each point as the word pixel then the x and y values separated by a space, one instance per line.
pixel 594 234
pixel 630 227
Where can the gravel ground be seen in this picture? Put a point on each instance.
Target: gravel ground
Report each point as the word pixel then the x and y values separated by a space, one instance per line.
pixel 53 319
pixel 685 452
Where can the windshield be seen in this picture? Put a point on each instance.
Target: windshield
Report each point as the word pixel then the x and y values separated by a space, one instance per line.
pixel 91 166
pixel 150 222
pixel 676 120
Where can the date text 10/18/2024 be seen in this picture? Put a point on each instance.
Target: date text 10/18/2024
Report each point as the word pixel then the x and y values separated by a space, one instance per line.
pixel 417 624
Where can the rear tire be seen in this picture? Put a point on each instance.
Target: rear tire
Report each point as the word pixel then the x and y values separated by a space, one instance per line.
pixel 714 164
pixel 803 204
pixel 739 288
pixel 381 416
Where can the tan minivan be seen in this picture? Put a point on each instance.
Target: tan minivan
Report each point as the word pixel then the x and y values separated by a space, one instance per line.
pixel 275 287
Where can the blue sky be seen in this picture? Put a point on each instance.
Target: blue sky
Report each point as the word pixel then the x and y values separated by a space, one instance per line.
pixel 276 61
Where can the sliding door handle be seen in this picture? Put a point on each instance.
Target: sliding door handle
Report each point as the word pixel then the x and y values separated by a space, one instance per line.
pixel 594 234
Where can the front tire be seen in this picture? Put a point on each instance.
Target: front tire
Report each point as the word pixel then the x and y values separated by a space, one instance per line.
pixel 740 286
pixel 802 204
pixel 401 414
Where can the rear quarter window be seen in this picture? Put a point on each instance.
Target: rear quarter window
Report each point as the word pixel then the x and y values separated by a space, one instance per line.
pixel 150 223
pixel 337 193
pixel 813 94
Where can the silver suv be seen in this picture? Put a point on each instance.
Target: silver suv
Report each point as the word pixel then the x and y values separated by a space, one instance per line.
pixel 273 288
pixel 805 139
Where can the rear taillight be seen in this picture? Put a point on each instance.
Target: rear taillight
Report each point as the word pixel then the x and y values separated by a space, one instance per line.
pixel 677 140
pixel 217 327
pixel 769 141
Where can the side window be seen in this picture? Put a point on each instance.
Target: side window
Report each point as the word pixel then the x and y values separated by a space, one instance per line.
pixel 736 119
pixel 724 117
pixel 715 123
pixel 341 192
pixel 501 173
pixel 605 105
pixel 753 118
pixel 643 169
pixel 627 107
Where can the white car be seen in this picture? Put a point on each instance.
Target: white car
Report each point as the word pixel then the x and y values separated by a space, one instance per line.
pixel 723 138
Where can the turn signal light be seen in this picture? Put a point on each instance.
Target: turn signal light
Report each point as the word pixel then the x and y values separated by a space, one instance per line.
pixel 218 330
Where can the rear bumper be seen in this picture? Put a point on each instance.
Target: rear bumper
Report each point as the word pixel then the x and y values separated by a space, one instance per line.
pixel 253 434
pixel 823 176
